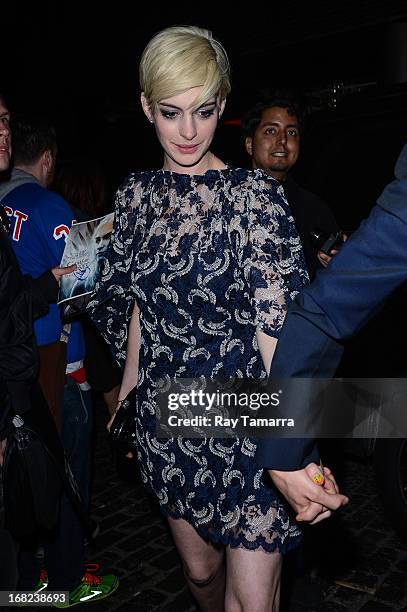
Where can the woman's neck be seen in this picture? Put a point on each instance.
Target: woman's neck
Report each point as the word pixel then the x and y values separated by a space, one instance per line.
pixel 208 162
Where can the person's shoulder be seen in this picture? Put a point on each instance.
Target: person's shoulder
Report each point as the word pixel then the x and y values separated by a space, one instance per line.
pixel 254 192
pixel 293 188
pixel 254 182
pixel 135 180
pixel 310 207
pixel 139 177
pixel 265 186
pixel 51 204
pixel 43 205
pixel 305 197
pixel 130 192
pixel 400 170
pixel 30 193
pixel 40 195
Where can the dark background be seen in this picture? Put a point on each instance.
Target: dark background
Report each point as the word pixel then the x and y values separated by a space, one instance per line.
pixel 78 61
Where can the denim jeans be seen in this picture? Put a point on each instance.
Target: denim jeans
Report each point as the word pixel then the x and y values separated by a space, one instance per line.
pixel 76 434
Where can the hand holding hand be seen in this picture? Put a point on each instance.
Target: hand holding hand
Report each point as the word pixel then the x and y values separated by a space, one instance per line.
pixel 312 495
pixel 323 478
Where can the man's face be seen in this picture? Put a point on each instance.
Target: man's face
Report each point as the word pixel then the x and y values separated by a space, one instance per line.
pixel 102 237
pixel 5 137
pixel 275 145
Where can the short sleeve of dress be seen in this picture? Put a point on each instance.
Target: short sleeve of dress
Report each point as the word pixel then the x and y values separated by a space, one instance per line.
pixel 112 303
pixel 272 255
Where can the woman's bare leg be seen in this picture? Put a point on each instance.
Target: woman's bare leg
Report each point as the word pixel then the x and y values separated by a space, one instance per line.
pixel 253 580
pixel 203 565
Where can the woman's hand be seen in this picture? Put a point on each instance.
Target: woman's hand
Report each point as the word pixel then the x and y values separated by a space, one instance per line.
pixel 323 477
pixel 110 423
pixel 310 491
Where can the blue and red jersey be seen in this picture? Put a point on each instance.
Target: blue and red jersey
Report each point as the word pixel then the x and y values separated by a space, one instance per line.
pixel 41 221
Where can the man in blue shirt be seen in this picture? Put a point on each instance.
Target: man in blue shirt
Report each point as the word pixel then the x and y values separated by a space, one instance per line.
pixel 368 268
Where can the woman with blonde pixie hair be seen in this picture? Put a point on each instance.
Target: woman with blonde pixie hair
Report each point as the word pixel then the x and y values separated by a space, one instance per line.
pixel 204 260
pixel 179 58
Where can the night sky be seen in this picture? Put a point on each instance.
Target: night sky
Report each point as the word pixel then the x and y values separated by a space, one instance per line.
pixel 78 62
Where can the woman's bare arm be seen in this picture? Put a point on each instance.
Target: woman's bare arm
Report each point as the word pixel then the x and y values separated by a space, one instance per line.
pixel 130 375
pixel 267 346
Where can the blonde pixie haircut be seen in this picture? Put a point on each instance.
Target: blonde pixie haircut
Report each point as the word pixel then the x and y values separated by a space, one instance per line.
pixel 181 57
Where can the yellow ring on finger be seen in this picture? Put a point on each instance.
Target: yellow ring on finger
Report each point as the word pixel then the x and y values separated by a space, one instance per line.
pixel 318 479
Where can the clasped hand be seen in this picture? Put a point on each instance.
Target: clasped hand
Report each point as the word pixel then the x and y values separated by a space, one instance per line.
pixel 312 502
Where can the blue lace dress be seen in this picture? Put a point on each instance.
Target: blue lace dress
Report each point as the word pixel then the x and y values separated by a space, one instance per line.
pixel 209 259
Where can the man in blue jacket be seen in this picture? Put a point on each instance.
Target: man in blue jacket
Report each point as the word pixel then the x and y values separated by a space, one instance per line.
pixel 368 268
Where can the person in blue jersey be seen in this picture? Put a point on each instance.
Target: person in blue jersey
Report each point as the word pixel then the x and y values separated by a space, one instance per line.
pixel 39 222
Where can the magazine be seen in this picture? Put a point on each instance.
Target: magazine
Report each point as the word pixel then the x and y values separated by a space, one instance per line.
pixel 86 246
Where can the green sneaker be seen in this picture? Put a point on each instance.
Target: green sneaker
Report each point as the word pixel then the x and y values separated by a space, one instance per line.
pixel 91 588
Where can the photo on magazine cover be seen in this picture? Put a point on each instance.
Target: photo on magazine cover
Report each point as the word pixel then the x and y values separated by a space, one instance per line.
pixel 86 246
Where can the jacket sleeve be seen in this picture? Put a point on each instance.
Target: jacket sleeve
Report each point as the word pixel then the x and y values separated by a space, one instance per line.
pixel 18 353
pixel 22 299
pixel 42 291
pixel 368 268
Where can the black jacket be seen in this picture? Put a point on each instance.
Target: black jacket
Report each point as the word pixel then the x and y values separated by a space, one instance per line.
pixel 21 300
pixel 310 212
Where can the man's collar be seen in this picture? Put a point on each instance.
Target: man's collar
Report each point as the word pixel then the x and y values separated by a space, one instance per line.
pixel 18 174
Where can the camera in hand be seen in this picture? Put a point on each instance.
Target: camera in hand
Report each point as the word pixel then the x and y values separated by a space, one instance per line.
pixel 326 242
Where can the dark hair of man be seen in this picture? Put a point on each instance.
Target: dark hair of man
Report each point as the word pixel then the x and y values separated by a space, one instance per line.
pixel 32 136
pixel 279 97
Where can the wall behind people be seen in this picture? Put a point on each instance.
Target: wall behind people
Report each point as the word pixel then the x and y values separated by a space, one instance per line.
pixel 81 181
pixel 349 154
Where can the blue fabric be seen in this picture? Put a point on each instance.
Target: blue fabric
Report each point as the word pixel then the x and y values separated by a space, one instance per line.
pixel 40 222
pixel 209 259
pixel 368 268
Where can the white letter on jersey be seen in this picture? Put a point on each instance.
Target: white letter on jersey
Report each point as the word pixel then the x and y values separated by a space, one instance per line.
pixel 20 217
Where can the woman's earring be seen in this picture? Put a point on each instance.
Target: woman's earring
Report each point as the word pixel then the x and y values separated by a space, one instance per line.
pixel 151 120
